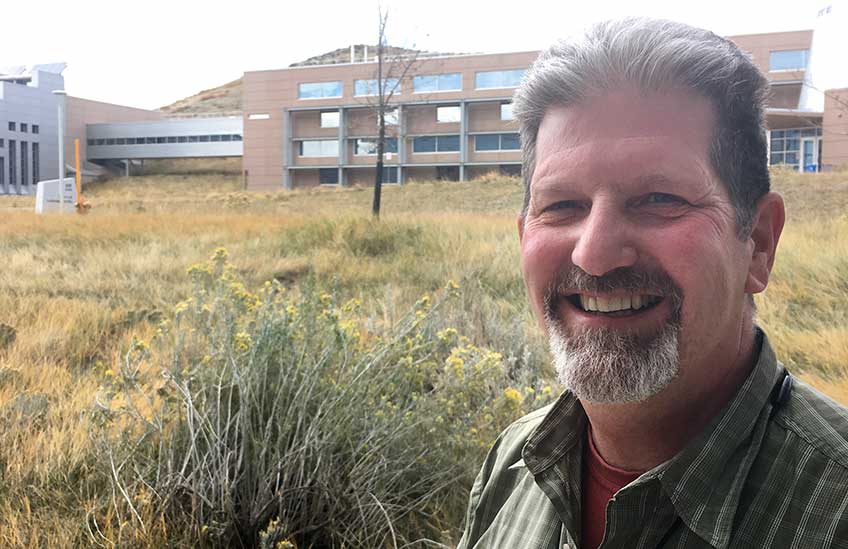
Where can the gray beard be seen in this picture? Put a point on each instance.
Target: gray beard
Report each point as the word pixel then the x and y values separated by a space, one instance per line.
pixel 608 366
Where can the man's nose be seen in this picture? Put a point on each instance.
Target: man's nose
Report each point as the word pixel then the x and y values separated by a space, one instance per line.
pixel 603 244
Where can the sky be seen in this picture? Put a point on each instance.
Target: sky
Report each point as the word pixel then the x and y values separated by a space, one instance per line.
pixel 151 53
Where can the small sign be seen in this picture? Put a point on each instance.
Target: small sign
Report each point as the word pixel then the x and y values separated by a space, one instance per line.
pixel 47 198
pixel 811 168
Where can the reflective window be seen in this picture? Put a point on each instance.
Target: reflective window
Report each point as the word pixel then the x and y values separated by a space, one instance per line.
pixel 497 142
pixel 391 117
pixel 318 90
pixel 328 176
pixel 498 79
pixel 788 60
pixel 448 114
pixel 390 174
pixel 330 119
pixel 366 146
pixel 437 82
pixel 24 128
pixel 35 128
pixel 369 87
pixel 321 147
pixel 435 143
pixel 506 111
pixel 785 145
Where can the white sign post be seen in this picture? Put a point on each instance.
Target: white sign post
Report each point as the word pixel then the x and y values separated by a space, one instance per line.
pixel 48 198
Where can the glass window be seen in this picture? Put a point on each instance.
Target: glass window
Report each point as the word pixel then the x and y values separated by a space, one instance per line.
pixel 36 168
pixel 329 119
pixel 322 147
pixel 426 144
pixel 366 146
pixel 447 143
pixel 390 174
pixel 497 142
pixel 90 143
pixel 193 139
pixel 121 141
pixel 148 140
pixel 506 111
pixel 788 60
pixel 226 137
pixel 11 126
pixel 110 140
pixel 182 139
pixel 204 139
pixel 437 82
pixel 35 128
pixel 319 90
pixel 498 79
pixel 215 138
pixel 510 142
pixel 24 165
pixel 2 143
pixel 487 142
pixel 236 137
pixel 24 128
pixel 448 114
pixel 328 176
pixel 369 87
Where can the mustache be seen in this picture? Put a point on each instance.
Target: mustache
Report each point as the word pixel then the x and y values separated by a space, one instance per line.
pixel 627 279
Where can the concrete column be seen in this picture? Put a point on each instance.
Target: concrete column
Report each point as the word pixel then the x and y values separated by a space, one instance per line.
pixel 401 131
pixel 342 146
pixel 287 145
pixel 127 168
pixel 463 140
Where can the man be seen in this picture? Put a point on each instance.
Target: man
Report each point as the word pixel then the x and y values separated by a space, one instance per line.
pixel 647 226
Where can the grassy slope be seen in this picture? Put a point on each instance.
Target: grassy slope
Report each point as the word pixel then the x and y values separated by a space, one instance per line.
pixel 77 288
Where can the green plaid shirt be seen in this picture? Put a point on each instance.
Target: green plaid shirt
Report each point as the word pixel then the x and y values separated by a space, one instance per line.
pixel 748 481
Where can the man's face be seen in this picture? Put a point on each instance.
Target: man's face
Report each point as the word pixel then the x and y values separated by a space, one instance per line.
pixel 629 247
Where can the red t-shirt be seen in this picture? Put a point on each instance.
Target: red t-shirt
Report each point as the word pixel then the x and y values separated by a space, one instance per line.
pixel 600 482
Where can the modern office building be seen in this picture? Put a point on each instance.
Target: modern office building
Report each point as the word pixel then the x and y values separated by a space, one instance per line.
pixel 451 116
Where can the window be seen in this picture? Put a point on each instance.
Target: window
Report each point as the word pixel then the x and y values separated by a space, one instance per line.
pixel 369 87
pixel 148 140
pixel 226 137
pixel 24 163
pixel 35 128
pixel 785 145
pixel 330 119
pixel 365 146
pixel 182 139
pixel 435 143
pixel 328 176
pixel 390 174
pixel 510 170
pixel 204 138
pixel 322 147
pixel 193 138
pixel 498 79
pixel 788 60
pixel 448 114
pixel 319 90
pixel 506 111
pixel 24 128
pixel 110 140
pixel 2 172
pixel 215 138
pixel 236 137
pixel 13 171
pixel 2 144
pixel 437 83
pixel 11 126
pixel 35 161
pixel 496 142
pixel 258 116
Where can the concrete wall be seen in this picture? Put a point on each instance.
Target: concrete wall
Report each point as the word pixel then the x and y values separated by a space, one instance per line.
pixel 835 129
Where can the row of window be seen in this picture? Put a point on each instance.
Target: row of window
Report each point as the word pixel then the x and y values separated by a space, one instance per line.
pixel 483 80
pixel 444 114
pixel 27 176
pixel 421 144
pixel 330 176
pixel 169 139
pixel 796 148
pixel 24 127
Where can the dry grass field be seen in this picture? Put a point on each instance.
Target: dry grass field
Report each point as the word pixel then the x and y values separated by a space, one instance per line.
pixel 75 291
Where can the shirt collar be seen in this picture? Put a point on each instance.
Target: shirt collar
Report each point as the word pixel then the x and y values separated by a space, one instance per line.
pixel 704 481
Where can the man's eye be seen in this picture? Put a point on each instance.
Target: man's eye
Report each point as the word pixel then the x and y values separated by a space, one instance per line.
pixel 563 205
pixel 662 199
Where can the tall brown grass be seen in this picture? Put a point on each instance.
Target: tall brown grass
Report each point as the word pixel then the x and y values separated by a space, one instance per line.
pixel 75 291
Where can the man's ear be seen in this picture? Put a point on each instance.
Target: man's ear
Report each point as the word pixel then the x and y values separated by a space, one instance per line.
pixel 765 232
pixel 520 223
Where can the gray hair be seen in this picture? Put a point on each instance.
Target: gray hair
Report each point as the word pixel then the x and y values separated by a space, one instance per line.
pixel 657 55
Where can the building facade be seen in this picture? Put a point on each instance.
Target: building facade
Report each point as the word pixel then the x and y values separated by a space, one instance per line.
pixel 451 116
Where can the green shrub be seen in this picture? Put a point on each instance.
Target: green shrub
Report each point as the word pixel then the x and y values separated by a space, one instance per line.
pixel 279 418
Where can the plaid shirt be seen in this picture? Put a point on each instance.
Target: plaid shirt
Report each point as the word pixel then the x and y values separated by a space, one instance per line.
pixel 751 479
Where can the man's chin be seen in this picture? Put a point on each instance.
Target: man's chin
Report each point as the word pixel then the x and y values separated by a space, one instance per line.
pixel 615 366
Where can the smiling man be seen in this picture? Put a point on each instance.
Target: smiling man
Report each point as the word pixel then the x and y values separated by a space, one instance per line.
pixel 647 226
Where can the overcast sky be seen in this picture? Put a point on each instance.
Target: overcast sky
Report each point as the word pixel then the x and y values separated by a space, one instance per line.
pixel 150 53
